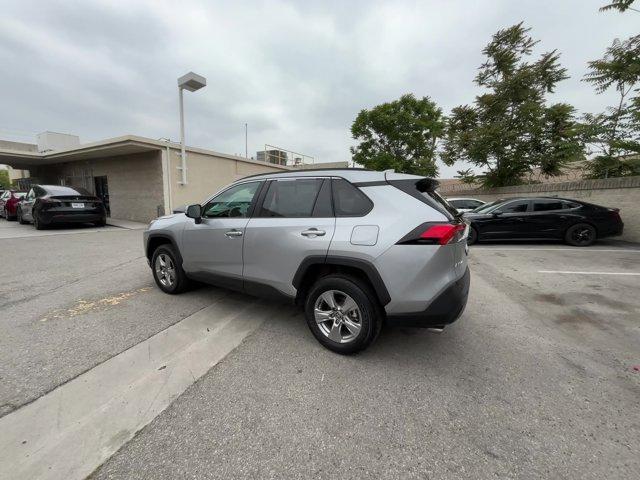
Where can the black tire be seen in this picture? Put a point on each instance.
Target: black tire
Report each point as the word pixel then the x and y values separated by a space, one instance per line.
pixel 180 282
pixel 101 223
pixel 21 220
pixel 581 235
pixel 473 236
pixel 369 313
pixel 37 223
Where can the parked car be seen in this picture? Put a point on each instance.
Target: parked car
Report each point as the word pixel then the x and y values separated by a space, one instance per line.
pixel 354 247
pixel 544 218
pixel 9 202
pixel 465 204
pixel 46 205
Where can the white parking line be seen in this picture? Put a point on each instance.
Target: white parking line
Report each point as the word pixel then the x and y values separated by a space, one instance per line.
pixel 589 273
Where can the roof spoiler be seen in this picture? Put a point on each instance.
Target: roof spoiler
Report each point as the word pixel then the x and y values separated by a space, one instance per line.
pixel 427 184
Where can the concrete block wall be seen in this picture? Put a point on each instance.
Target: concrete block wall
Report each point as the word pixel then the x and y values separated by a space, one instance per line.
pixel 206 174
pixel 622 193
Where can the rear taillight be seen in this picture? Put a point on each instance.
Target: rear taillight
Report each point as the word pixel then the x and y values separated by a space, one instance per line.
pixel 434 234
pixel 49 202
pixel 616 215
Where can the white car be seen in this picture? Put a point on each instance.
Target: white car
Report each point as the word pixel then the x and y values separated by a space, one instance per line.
pixel 463 204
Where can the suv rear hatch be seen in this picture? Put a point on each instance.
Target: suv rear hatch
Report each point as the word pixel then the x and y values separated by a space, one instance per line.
pixel 452 233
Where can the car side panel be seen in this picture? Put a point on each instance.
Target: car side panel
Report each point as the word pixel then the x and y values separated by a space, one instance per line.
pixel 274 248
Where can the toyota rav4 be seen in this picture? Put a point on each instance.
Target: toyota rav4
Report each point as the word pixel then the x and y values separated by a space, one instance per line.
pixel 356 248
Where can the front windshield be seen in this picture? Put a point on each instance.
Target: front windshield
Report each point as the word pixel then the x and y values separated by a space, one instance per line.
pixel 487 207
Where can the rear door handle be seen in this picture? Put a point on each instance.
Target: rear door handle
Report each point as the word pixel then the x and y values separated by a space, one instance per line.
pixel 313 232
pixel 233 233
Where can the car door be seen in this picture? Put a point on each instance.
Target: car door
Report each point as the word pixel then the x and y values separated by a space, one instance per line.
pixel 212 249
pixel 27 205
pixel 294 220
pixel 508 221
pixel 549 218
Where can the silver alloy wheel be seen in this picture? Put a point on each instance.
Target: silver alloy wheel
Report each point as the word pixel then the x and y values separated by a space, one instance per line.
pixel 165 270
pixel 338 316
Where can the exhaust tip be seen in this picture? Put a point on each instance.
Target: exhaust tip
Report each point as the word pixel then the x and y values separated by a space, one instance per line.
pixel 436 329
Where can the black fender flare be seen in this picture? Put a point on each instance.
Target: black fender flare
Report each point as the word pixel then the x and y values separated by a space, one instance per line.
pixel 365 266
pixel 163 236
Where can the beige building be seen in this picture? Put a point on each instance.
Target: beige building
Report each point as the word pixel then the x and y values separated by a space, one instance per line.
pixel 139 178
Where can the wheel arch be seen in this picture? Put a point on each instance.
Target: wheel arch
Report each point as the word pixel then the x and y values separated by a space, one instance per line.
pixel 316 266
pixel 159 239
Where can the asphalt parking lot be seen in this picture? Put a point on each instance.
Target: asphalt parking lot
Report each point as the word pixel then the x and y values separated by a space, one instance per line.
pixel 536 380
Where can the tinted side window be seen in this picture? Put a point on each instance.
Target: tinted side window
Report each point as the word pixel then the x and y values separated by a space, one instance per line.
pixel 458 203
pixel 514 207
pixel 546 205
pixel 233 202
pixel 465 203
pixel 349 201
pixel 291 198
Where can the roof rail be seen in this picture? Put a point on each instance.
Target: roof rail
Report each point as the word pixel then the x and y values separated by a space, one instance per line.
pixel 307 170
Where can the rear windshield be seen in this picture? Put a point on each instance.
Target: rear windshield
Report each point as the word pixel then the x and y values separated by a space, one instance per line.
pixel 424 190
pixel 58 190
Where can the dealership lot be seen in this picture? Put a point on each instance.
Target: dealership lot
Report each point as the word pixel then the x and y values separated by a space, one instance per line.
pixel 536 380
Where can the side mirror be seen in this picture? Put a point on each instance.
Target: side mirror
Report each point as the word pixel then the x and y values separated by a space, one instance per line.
pixel 195 212
pixel 496 214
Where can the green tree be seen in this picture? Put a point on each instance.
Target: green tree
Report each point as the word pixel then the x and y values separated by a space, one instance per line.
pixel 613 137
pixel 4 179
pixel 620 5
pixel 510 130
pixel 402 135
pixel 466 176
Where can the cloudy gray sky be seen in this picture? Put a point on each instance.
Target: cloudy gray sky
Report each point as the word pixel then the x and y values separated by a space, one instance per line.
pixel 296 72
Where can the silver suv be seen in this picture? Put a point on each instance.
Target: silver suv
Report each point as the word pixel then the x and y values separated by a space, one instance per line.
pixel 355 247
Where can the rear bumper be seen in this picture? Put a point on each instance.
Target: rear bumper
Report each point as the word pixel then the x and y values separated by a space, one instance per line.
pixel 71 217
pixel 446 308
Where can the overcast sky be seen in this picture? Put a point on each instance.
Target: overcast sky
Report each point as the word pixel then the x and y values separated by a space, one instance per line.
pixel 297 72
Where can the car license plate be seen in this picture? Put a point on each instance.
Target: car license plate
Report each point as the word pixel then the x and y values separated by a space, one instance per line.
pixel 77 205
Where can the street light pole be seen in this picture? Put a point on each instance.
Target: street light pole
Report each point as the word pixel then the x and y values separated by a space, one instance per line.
pixel 246 136
pixel 192 82
pixel 183 154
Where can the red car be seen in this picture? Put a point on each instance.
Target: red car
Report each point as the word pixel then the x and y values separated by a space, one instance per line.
pixel 9 203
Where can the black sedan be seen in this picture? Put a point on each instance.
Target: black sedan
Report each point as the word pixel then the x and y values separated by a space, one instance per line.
pixel 46 205
pixel 543 218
